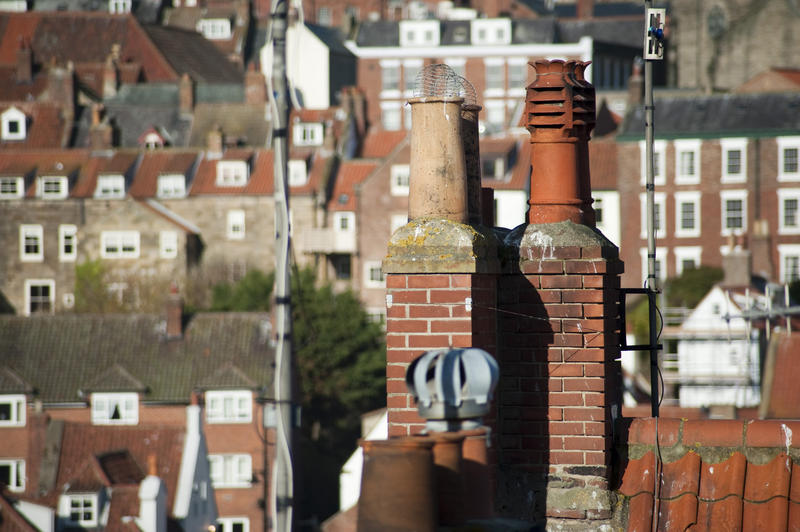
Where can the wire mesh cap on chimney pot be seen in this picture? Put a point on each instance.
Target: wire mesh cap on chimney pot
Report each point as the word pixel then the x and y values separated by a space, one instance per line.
pixel 452 387
pixel 441 81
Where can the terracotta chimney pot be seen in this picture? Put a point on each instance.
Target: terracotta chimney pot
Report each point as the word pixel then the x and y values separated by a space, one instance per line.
pixel 560 109
pixel 438 181
pixel 174 314
pixel 24 70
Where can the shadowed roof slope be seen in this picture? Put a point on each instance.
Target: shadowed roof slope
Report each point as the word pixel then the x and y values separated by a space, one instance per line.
pixel 64 356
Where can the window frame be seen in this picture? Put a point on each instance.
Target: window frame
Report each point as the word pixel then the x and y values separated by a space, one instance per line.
pixel 16 470
pixel 397 172
pixel 348 217
pixel 33 231
pixel 18 185
pixel 394 111
pixel 216 408
pixel 236 224
pixel 495 76
pixel 83 498
pixel 215 29
pixel 297 171
pixel 235 478
pixel 687 146
pixel 124 239
pixel 732 195
pixel 60 194
pixel 729 145
pixel 50 284
pixel 390 78
pixel 171 186
pixel 225 524
pixel 784 252
pixel 67 235
pixel 16 116
pixel 110 186
pixel 102 405
pixel 368 281
pixel 785 143
pixel 168 244
pixel 517 65
pixel 681 198
pixel 17 408
pixel 785 194
pixel 687 252
pixel 307 134
pixel 232 173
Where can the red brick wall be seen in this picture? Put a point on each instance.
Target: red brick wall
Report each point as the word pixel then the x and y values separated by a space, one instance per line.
pixel 427 312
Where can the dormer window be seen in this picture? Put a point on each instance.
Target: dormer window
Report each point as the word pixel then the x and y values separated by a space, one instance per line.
pixel 232 173
pixel 298 174
pixel 215 28
pixel 79 509
pixel 419 33
pixel 110 187
pixel 14 126
pixel 51 187
pixel 307 134
pixel 115 408
pixel 491 31
pixel 11 187
pixel 171 186
pixel 153 140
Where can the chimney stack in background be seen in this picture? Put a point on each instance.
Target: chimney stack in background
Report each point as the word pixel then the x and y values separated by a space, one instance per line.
pixel 24 71
pixel 174 313
pixel 255 86
pixel 560 109
pixel 186 94
pixel 584 9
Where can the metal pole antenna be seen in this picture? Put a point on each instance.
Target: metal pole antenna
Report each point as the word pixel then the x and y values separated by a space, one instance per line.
pixel 653 51
pixel 283 477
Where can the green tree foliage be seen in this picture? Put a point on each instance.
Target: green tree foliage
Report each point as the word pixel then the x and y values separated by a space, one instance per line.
pixel 91 289
pixel 692 286
pixel 252 293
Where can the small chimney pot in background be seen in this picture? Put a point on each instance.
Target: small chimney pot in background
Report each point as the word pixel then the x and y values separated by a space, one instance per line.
pixel 110 77
pixel 255 86
pixel 24 70
pixel 174 314
pixel 438 180
pixel 186 94
pixel 560 109
pixel 101 134
pixel 215 141
pixel 584 9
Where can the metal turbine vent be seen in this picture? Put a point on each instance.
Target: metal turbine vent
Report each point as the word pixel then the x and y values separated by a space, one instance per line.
pixel 440 81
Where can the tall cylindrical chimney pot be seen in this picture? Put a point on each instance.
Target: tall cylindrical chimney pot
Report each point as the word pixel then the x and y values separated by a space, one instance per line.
pixel 438 181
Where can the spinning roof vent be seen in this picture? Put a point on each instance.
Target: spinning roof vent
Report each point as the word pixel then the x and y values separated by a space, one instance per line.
pixel 453 388
pixel 440 81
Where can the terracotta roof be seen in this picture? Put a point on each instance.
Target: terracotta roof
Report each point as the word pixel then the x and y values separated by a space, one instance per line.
pixel 60 355
pixel 521 171
pixel 312 115
pixel 350 174
pixel 260 181
pixel 379 144
pixel 318 170
pixel 12 91
pixel 45 126
pixel 115 163
pixel 755 486
pixel 13 521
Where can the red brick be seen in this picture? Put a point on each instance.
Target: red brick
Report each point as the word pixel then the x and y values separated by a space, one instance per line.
pixel 584 414
pixel 428 341
pixel 596 458
pixel 585 266
pixel 396 431
pixel 396 371
pixel 416 428
pixel 565 399
pixel 396 386
pixel 398 401
pixel 543 267
pixel 583 296
pixel 584 385
pixel 561 281
pixel 405 416
pixel 594 370
pixel 463 280
pixel 592 252
pixel 429 281
pixel 566 457
pixel 714 432
pixel 406 326
pixel 409 296
pixel 565 370
pixel 597 428
pixel 402 356
pixel 456 296
pixel 558 310
pixel 594 399
pixel 462 340
pixel 593 281
pixel 568 340
pixel 595 340
pixel 593 311
pixel 428 311
pixel 566 252
pixel 555 385
pixel 555 414
pixel 584 355
pixel 441 326
pixel 395 281
pixel 555 354
pixel 563 427
pixel 396 340
pixel 584 443
pixel 397 311
pixel 544 296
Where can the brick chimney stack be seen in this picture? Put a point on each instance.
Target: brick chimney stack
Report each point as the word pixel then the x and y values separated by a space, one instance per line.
pixel 584 9
pixel 186 94
pixel 174 314
pixel 255 86
pixel 110 77
pixel 24 71
pixel 560 109
pixel 101 134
